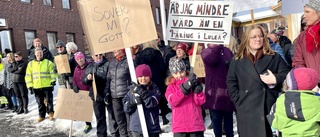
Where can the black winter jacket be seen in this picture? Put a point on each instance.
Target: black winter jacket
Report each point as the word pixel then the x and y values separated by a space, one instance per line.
pixel 18 70
pixel 100 74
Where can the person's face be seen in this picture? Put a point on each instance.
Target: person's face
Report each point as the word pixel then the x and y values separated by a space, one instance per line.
pixel 37 44
pixel 39 54
pixel 117 53
pixel 311 16
pixel 179 75
pixel 60 49
pixel 17 57
pixel 97 58
pixel 180 53
pixel 273 37
pixel 144 80
pixel 8 58
pixel 256 39
pixel 80 61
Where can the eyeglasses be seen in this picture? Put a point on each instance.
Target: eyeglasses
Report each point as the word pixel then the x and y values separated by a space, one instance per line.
pixel 98 55
pixel 59 47
pixel 254 37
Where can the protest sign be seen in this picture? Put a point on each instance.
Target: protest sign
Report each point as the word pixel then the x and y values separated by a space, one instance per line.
pixel 62 64
pixel 243 5
pixel 293 6
pixel 73 106
pixel 198 67
pixel 115 24
pixel 200 21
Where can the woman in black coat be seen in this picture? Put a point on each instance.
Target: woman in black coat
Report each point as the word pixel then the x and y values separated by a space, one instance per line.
pixel 254 82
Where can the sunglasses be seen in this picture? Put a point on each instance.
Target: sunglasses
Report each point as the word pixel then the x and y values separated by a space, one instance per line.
pixel 59 47
pixel 16 56
pixel 98 55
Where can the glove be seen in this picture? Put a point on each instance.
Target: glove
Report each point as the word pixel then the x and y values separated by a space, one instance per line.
pixel 143 93
pixel 197 89
pixel 31 90
pixel 53 83
pixel 193 79
pixel 75 89
pixel 107 99
pixel 136 100
pixel 184 90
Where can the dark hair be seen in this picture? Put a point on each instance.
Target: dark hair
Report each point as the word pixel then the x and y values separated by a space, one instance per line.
pixel 265 26
pixel 18 53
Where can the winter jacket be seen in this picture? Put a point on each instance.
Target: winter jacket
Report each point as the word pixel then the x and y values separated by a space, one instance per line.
pixel 276 47
pixel 297 114
pixel 8 77
pixel 186 110
pixel 150 108
pixel 63 77
pixel 215 60
pixel 46 54
pixel 18 70
pixel 287 47
pixel 100 71
pixel 253 99
pixel 302 58
pixel 119 78
pixel 77 77
pixel 154 60
pixel 168 54
pixel 40 74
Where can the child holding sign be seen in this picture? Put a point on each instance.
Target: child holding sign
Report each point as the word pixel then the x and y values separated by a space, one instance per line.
pixel 185 96
pixel 149 97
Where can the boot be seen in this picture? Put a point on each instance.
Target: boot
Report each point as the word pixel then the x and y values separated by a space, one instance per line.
pixel 26 111
pixel 2 106
pixel 15 109
pixel 20 111
pixel 165 121
pixel 40 119
pixel 51 116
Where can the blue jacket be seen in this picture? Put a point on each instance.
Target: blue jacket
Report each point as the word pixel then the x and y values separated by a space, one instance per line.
pixel 150 108
pixel 277 48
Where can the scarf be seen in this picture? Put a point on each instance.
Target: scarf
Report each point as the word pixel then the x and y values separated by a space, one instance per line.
pixel 313 37
pixel 119 57
pixel 254 58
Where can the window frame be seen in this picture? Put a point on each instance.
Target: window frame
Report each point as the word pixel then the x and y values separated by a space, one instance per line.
pixel 29 41
pixel 63 4
pixel 52 43
pixel 73 37
pixel 47 4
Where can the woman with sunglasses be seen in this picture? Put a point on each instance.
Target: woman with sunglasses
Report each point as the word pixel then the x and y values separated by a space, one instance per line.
pixel 307 51
pixel 18 70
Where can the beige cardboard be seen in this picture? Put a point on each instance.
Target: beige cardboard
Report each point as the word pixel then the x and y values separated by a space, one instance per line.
pixel 73 106
pixel 115 24
pixel 198 67
pixel 94 87
pixel 62 64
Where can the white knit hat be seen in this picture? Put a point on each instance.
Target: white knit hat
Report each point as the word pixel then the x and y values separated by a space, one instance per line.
pixel 314 4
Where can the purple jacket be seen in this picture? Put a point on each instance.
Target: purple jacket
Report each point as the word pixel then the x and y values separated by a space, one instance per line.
pixel 216 67
pixel 77 77
pixel 186 110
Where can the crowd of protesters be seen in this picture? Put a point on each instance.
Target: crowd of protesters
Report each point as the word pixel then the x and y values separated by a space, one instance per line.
pixel 248 79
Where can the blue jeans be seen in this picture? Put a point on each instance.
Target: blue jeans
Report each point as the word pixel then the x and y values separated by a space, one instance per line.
pixel 219 116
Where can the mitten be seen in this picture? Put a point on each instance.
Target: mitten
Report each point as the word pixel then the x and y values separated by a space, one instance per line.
pixel 197 89
pixel 31 90
pixel 185 90
pixel 75 89
pixel 193 79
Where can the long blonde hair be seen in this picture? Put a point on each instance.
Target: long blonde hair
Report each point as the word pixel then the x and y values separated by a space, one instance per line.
pixel 11 56
pixel 151 44
pixel 245 43
pixel 233 45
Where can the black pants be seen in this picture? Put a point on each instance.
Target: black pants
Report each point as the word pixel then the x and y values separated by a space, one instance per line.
pixel 113 126
pixel 21 91
pixel 163 104
pixel 120 117
pixel 227 117
pixel 190 134
pixel 135 134
pixel 40 95
pixel 99 108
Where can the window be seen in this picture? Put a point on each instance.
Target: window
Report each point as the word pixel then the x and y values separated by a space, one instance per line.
pixel 29 37
pixel 5 40
pixel 158 15
pixel 70 37
pixel 26 1
pixel 66 4
pixel 52 39
pixel 47 2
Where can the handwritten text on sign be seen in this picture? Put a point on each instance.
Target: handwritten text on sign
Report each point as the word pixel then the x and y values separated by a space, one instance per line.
pixel 115 24
pixel 200 21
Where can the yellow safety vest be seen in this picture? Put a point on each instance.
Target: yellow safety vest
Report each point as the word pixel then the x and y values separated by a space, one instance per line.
pixel 40 74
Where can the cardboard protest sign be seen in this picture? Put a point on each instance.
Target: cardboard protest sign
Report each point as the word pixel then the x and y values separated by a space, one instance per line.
pixel 243 5
pixel 200 21
pixel 115 24
pixel 198 67
pixel 73 106
pixel 62 64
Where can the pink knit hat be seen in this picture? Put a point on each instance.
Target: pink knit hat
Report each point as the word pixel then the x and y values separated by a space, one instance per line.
pixel 143 70
pixel 78 55
pixel 302 79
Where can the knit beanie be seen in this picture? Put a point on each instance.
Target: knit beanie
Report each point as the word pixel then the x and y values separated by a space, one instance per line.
pixel 314 4
pixel 143 70
pixel 78 55
pixel 182 46
pixel 60 43
pixel 176 65
pixel 302 79
pixel 279 31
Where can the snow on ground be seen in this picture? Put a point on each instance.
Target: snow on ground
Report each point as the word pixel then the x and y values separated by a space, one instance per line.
pixel 63 125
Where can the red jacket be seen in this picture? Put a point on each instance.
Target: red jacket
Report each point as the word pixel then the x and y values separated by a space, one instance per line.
pixel 186 110
pixel 302 58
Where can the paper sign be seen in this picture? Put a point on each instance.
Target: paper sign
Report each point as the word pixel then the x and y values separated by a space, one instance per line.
pixel 293 6
pixel 242 5
pixel 62 64
pixel 73 106
pixel 198 67
pixel 200 21
pixel 115 24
